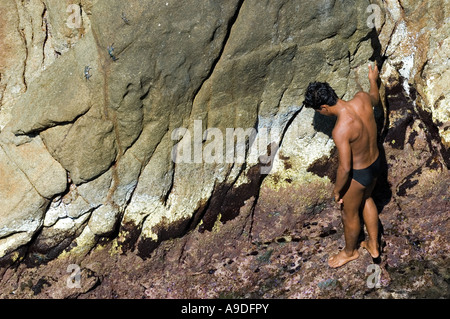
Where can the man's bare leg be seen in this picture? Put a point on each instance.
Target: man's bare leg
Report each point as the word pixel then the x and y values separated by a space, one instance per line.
pixel 370 216
pixel 350 219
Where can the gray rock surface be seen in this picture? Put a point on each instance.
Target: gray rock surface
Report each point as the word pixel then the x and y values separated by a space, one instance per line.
pixel 155 67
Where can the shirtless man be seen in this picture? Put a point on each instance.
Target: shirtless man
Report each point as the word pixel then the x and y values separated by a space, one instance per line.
pixel 355 136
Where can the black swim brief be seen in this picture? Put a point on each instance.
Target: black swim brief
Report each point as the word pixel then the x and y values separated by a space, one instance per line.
pixel 366 176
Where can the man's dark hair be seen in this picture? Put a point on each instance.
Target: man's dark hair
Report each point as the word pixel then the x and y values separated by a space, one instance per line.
pixel 320 93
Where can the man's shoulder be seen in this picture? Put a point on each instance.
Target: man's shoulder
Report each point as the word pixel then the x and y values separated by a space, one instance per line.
pixel 342 130
pixel 361 99
pixel 362 95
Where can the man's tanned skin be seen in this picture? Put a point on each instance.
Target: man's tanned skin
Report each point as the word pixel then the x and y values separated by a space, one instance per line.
pixel 355 136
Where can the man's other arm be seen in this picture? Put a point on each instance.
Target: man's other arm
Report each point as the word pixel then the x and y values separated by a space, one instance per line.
pixel 342 143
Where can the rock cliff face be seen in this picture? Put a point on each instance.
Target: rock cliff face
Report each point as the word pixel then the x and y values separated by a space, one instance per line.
pixel 146 138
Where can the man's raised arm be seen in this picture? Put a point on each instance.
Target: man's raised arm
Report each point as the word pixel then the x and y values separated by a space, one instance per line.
pixel 373 78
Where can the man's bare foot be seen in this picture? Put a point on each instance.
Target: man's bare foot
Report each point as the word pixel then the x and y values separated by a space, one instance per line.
pixel 342 258
pixel 371 248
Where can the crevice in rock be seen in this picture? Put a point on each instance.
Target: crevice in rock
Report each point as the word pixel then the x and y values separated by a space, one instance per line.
pixel 172 182
pixel 24 38
pixel 45 28
pixel 34 132
pixel 22 171
pixel 377 55
pixel 200 211
pixel 229 27
pixel 387 46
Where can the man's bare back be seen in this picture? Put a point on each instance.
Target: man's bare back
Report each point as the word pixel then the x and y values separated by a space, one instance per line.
pixel 358 119
pixel 355 136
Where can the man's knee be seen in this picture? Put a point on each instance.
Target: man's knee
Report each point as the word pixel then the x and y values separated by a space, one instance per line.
pixel 350 215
